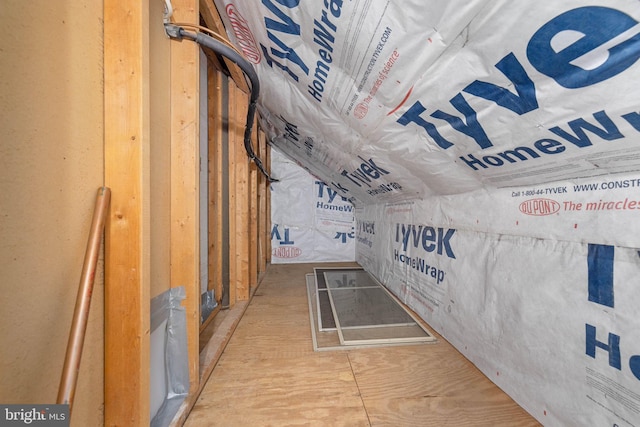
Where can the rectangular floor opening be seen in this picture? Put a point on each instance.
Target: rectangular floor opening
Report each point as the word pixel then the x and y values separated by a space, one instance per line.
pixel 349 308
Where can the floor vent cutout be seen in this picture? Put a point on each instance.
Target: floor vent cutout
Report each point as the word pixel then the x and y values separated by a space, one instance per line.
pixel 350 309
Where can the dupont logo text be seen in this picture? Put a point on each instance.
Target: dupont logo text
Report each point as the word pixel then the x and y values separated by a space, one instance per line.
pixel 287 252
pixel 244 36
pixel 539 207
pixel 361 110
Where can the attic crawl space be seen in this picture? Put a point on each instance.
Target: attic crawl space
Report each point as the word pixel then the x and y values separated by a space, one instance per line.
pixel 479 159
pixel 491 153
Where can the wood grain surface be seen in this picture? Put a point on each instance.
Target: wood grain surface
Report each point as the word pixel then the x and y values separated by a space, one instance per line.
pixel 269 375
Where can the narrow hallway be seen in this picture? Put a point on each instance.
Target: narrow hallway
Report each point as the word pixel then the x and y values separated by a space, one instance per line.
pixel 269 375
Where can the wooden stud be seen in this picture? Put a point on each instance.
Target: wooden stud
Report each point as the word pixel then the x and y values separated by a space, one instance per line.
pixel 253 217
pixel 263 187
pixel 233 130
pixel 267 162
pixel 185 255
pixel 127 247
pixel 214 79
pixel 241 255
pixel 244 233
pixel 213 59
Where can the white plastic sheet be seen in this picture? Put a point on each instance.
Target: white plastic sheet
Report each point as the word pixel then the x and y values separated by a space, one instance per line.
pixel 394 101
pixel 553 323
pixel 310 221
pixel 491 148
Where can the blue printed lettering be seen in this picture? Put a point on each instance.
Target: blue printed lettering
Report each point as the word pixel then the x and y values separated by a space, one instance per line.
pixel 286 25
pixel 366 227
pixel 472 128
pixel 287 53
pixel 444 242
pixel 572 50
pixel 600 274
pixel 322 36
pixel 342 236
pixel 612 347
pixel 290 130
pixel 634 365
pixel 420 264
pixel 549 146
pixel 520 104
pixel 575 47
pixel 367 171
pixel 330 192
pixel 275 232
pixel 429 238
pixel 325 40
pixel 271 62
pixel 412 115
pixel 633 119
pixel 335 7
pixel 610 131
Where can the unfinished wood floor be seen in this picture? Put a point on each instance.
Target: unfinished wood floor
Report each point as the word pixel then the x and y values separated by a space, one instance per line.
pixel 269 375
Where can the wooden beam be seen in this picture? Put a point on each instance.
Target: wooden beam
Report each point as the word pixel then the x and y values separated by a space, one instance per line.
pixel 185 252
pixel 233 132
pixel 127 261
pixel 267 162
pixel 216 242
pixel 253 217
pixel 263 226
pixel 213 59
pixel 211 17
pixel 242 189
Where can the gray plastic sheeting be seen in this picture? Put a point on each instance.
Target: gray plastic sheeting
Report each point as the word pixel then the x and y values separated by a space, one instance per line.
pixel 169 383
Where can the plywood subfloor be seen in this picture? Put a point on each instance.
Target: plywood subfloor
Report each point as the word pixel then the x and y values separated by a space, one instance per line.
pixel 269 375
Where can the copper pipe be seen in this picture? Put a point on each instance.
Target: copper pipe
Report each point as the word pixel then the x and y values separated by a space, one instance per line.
pixel 83 301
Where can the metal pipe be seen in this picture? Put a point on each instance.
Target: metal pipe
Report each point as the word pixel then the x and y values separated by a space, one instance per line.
pixel 67 388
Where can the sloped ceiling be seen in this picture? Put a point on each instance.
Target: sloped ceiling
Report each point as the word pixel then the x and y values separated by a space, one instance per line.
pixel 392 101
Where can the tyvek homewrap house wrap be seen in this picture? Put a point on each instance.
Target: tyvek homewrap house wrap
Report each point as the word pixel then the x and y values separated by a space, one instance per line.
pixel 492 152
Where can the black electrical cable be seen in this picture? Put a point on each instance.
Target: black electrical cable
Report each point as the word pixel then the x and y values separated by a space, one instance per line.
pixel 246 67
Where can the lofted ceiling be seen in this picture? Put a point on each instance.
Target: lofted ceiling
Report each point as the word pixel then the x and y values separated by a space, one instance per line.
pixel 393 101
